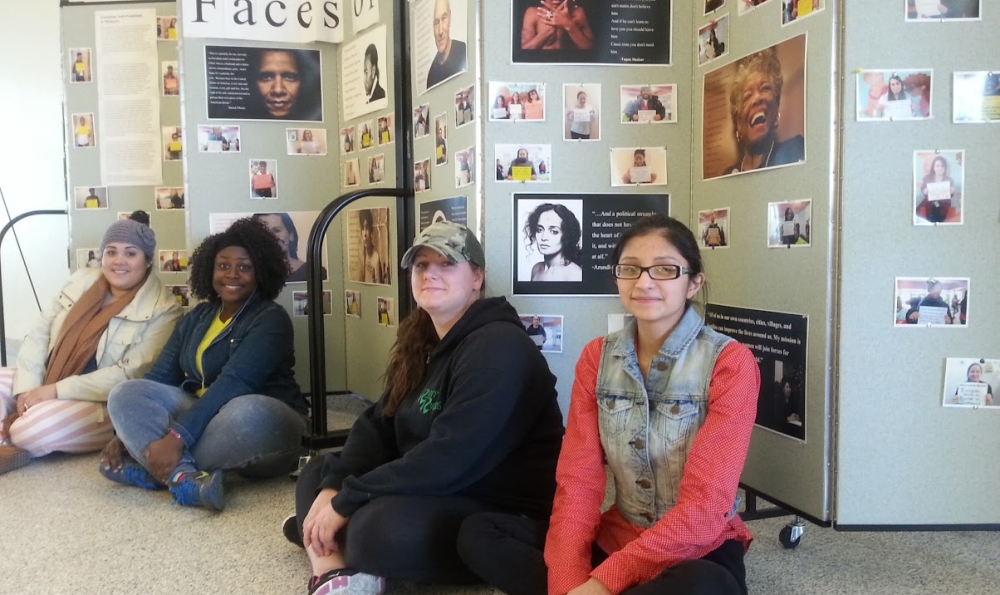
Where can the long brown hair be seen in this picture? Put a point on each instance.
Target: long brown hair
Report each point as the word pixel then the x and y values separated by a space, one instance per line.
pixel 407 365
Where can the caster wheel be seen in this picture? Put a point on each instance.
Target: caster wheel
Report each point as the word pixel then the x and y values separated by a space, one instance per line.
pixel 787 540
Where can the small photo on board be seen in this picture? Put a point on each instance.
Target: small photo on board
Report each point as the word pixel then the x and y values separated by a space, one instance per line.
pixel 368 246
pixel 976 97
pixel 713 228
pixel 90 197
pixel 713 40
pixel 582 108
pixel 938 187
pixel 634 166
pixel 745 6
pixel 173 143
pixel 422 176
pixel 386 311
pixel 218 139
pixel 351 174
pixel 465 167
pixel 385 129
pixel 548 244
pixel 934 11
pixel 713 5
pixel 524 163
pixel 788 224
pixel 441 139
pixel 352 303
pixel 969 382
pixel 173 261
pixel 421 121
pixel 171 82
pixel 794 10
pixel 367 130
pixel 181 294
pixel 80 70
pixel 464 112
pixel 545 331
pixel 510 102
pixel 169 198
pixel 376 169
pixel 890 95
pixel 82 129
pixel 347 138
pixel 930 301
pixel 305 141
pixel 300 303
pixel 263 178
pixel 88 258
pixel 648 104
pixel 166 28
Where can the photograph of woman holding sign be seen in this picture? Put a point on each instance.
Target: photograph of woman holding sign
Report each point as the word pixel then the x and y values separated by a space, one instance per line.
pixel 936 193
pixel 974 375
pixel 581 116
pixel 895 92
pixel 555 232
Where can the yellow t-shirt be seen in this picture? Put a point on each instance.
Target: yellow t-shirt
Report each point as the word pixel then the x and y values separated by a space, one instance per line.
pixel 92 202
pixel 175 146
pixel 214 330
pixel 80 67
pixel 172 33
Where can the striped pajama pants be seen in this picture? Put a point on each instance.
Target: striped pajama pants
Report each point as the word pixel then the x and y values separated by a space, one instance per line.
pixel 59 425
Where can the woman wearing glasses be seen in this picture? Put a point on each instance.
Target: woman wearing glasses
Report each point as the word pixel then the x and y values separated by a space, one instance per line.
pixel 670 404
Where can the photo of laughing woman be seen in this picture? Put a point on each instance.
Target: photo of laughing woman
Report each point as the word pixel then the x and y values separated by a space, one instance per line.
pixel 754 111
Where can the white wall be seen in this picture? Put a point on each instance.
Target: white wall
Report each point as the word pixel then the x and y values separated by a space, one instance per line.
pixel 31 156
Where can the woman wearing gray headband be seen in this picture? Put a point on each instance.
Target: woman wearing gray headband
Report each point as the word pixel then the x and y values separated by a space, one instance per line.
pixel 106 326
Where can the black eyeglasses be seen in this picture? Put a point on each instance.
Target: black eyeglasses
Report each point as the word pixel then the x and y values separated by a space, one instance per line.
pixel 657 272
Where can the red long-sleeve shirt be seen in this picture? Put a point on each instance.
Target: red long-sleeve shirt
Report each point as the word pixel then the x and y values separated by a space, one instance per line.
pixel 700 521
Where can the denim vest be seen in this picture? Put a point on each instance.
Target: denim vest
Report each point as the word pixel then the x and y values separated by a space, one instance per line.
pixel 647 428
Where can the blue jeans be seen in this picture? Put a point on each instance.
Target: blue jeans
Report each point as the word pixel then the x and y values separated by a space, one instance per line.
pixel 257 435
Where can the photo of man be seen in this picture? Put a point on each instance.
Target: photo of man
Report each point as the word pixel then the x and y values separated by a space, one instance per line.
pixel 373 88
pixel 90 197
pixel 83 130
pixel 648 103
pixel 713 226
pixel 276 84
pixel 463 107
pixel 450 59
pixel 79 67
pixel 365 74
pixel 173 143
pixel 218 139
pixel 262 178
pixel 171 84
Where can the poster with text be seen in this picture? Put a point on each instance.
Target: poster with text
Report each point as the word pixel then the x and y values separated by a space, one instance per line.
pixel 365 74
pixel 742 131
pixel 454 209
pixel 969 382
pixel 614 32
pixel 246 83
pixel 563 242
pixel 439 31
pixel 778 342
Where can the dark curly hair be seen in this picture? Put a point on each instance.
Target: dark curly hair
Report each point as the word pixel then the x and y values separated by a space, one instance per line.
pixel 269 262
pixel 569 225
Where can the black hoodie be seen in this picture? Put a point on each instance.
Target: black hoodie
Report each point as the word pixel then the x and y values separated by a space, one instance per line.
pixel 485 424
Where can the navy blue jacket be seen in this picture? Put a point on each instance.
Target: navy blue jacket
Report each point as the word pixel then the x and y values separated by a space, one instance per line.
pixel 254 354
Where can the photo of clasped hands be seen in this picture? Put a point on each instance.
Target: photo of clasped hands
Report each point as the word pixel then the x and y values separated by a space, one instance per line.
pixel 546 27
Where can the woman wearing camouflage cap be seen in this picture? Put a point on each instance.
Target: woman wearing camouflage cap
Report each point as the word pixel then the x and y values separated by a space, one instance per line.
pixel 106 325
pixel 468 423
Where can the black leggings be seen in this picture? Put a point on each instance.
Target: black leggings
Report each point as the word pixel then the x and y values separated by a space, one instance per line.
pixel 507 552
pixel 410 538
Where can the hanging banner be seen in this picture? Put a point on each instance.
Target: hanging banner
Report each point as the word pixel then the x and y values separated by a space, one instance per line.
pixel 296 21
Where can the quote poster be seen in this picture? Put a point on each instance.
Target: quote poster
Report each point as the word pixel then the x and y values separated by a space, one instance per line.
pixel 454 209
pixel 246 83
pixel 611 32
pixel 563 243
pixel 778 342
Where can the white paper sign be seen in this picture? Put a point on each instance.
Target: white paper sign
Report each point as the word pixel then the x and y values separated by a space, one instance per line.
pixel 787 228
pixel 932 315
pixel 365 13
pixel 900 108
pixel 927 8
pixel 646 115
pixel 499 113
pixel 581 115
pixel 296 21
pixel 640 174
pixel 971 393
pixel 516 111
pixel 938 191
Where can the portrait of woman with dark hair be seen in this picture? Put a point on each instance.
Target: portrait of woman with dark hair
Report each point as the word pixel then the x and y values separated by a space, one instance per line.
pixel 283 228
pixel 555 232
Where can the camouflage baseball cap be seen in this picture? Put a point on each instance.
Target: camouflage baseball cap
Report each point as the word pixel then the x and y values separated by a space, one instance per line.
pixel 452 240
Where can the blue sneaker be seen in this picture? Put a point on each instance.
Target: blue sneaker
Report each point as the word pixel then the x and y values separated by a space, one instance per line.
pixel 132 474
pixel 198 489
